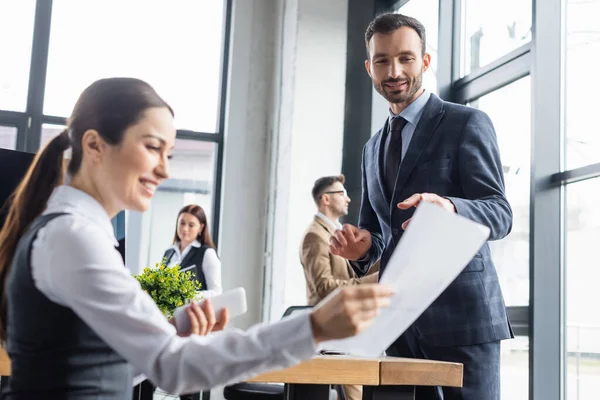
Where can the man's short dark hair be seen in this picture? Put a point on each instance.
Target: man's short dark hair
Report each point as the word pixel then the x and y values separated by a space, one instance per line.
pixel 322 184
pixel 388 23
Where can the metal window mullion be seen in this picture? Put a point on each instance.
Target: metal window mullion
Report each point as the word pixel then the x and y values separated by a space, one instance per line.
pixel 37 73
pixel 494 65
pixel 220 136
pixel 546 210
pixel 505 74
pixel 201 136
pixel 457 39
pixel 447 45
pixel 576 175
pixel 50 119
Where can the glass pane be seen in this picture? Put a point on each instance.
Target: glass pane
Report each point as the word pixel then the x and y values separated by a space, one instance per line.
pixel 492 29
pixel 514 368
pixel 16 38
pixel 582 65
pixel 582 295
pixel 49 131
pixel 427 12
pixel 511 255
pixel 191 182
pixel 8 137
pixel 176 47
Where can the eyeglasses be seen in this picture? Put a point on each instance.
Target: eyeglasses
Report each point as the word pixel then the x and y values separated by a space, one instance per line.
pixel 337 191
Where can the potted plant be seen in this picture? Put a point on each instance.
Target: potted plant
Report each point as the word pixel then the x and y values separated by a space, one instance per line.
pixel 169 287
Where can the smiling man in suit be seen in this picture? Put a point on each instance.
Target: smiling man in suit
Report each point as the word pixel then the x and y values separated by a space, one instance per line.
pixel 325 272
pixel 447 154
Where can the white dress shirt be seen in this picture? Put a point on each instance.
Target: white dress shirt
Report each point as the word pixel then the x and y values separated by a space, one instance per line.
pixel 412 114
pixel 75 264
pixel 211 267
pixel 334 224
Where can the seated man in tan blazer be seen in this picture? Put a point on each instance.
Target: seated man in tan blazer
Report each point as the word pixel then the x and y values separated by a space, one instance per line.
pixel 324 271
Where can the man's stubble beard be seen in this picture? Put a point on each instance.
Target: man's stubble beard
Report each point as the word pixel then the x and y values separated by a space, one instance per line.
pixel 414 86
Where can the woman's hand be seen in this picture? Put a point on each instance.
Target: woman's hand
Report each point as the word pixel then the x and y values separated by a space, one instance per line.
pixel 348 311
pixel 202 319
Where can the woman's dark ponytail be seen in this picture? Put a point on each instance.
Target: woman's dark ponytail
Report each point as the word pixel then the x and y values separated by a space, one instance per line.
pixel 27 203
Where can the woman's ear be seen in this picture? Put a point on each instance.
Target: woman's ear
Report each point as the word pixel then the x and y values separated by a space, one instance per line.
pixel 93 146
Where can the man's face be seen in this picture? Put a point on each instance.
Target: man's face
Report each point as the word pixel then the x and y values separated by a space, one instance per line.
pixel 336 199
pixel 396 64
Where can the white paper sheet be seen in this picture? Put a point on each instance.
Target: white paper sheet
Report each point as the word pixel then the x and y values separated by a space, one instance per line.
pixel 435 248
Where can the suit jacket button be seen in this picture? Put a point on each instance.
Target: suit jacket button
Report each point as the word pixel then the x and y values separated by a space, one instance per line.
pixel 395 231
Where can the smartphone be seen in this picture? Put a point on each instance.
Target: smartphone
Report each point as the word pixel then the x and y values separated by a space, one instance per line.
pixel 234 300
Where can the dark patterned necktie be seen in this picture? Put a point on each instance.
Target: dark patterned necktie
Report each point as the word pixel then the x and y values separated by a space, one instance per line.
pixel 393 152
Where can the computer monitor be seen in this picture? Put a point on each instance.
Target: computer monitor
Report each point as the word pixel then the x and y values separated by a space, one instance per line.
pixel 14 166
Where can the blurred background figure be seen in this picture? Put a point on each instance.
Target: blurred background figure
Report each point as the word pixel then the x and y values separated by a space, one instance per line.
pixel 193 249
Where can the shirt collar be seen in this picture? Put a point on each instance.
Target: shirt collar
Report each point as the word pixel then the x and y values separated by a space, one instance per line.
pixel 334 224
pixel 412 113
pixel 195 243
pixel 70 200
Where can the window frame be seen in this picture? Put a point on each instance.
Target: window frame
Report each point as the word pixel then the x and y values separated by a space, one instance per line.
pixel 29 123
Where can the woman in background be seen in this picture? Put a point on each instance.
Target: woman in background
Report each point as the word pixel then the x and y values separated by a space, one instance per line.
pixel 73 319
pixel 194 250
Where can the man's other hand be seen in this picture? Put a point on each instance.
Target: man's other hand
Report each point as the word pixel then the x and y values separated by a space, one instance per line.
pixel 416 199
pixel 350 242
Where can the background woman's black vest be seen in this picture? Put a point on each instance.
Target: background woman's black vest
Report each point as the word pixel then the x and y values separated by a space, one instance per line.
pixel 194 257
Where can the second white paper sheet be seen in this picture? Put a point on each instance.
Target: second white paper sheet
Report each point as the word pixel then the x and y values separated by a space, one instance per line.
pixel 435 248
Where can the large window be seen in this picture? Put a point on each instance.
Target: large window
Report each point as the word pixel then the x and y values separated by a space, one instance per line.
pixel 176 47
pixel 582 61
pixel 8 137
pixel 510 111
pixel 493 29
pixel 51 51
pixel 16 32
pixel 582 295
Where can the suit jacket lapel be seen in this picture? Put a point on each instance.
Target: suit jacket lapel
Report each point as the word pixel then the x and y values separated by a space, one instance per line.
pixel 431 117
pixel 324 224
pixel 379 150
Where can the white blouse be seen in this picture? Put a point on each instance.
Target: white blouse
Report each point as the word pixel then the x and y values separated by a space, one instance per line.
pixel 211 267
pixel 75 264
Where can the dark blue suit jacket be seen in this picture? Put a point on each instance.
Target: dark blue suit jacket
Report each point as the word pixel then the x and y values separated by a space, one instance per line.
pixel 453 153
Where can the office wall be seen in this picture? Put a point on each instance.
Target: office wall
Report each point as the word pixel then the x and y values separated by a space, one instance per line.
pixel 309 139
pixel 284 130
pixel 248 133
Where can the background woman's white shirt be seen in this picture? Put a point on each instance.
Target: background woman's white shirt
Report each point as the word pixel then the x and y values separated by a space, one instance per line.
pixel 75 264
pixel 211 267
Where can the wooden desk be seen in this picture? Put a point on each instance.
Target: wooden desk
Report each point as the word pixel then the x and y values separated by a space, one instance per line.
pixel 382 378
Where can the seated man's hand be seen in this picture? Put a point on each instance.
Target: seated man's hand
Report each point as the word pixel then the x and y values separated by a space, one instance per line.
pixel 350 242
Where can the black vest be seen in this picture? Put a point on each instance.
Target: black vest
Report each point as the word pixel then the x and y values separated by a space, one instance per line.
pixel 194 257
pixel 54 354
